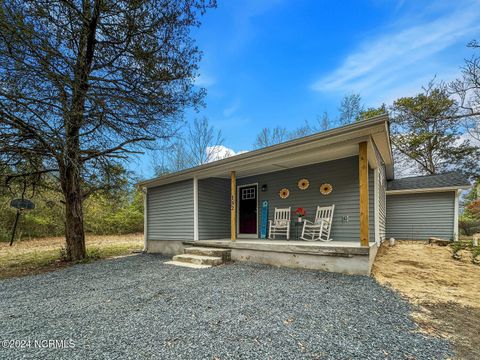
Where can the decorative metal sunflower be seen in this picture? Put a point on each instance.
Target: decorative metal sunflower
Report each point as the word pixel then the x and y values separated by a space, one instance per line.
pixel 284 193
pixel 303 184
pixel 326 188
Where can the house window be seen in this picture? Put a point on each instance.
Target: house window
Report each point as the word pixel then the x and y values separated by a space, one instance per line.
pixel 248 193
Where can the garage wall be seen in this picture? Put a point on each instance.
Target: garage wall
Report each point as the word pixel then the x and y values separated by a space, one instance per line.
pixel 170 211
pixel 420 216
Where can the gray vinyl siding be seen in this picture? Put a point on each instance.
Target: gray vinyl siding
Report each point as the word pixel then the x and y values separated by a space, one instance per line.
pixel 342 174
pixel 213 208
pixel 170 211
pixel 420 216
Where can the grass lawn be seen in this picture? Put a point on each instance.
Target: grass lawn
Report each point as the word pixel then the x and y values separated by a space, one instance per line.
pixel 35 256
pixel 446 290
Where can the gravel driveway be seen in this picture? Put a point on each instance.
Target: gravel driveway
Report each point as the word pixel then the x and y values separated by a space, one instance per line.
pixel 137 307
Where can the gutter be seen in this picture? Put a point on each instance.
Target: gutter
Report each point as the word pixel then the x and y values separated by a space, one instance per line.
pixel 427 190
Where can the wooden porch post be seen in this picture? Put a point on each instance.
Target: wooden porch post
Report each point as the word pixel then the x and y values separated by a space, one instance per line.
pixel 233 206
pixel 363 186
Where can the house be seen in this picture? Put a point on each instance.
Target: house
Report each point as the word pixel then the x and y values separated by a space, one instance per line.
pixel 219 204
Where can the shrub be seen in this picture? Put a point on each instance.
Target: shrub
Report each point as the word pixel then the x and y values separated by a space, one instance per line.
pixel 476 255
pixel 457 246
pixel 468 226
pixel 473 209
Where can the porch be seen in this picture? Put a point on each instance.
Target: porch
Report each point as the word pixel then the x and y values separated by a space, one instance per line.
pixel 347 257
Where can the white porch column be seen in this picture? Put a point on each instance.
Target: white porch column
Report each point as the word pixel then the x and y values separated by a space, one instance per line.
pixel 195 208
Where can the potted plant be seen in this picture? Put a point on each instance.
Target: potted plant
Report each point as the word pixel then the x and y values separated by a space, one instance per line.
pixel 300 212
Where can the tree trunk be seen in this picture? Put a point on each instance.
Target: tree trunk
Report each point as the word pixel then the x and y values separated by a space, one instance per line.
pixel 74 231
pixel 71 181
pixel 72 166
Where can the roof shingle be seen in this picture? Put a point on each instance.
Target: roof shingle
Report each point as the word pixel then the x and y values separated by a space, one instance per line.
pixel 450 179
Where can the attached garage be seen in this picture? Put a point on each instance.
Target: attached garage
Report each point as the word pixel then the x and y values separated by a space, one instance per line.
pixel 421 215
pixel 424 206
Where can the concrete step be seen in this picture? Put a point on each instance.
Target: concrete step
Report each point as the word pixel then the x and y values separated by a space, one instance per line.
pixel 209 251
pixel 199 259
pixel 186 264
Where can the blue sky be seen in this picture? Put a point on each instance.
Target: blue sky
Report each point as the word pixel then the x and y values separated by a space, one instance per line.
pixel 279 62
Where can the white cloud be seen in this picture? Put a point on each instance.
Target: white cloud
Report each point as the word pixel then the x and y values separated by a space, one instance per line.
pixel 230 110
pixel 391 59
pixel 244 27
pixel 219 152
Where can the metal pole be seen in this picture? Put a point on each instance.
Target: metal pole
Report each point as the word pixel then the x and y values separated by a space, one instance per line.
pixel 14 227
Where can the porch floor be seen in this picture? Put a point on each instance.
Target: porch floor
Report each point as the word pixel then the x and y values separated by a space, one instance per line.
pixel 332 248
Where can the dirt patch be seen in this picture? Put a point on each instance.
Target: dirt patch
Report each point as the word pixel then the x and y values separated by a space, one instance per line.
pixel 427 273
pixel 460 324
pixel 446 290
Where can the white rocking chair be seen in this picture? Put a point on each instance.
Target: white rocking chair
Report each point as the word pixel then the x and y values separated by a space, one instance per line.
pixel 320 228
pixel 280 224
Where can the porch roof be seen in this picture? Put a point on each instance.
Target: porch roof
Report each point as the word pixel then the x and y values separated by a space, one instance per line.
pixel 324 146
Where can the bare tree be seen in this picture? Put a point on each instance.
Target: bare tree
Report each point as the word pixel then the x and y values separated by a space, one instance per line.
pixel 199 144
pixel 204 143
pixel 467 88
pixel 268 137
pixel 324 122
pixel 83 84
pixel 350 109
